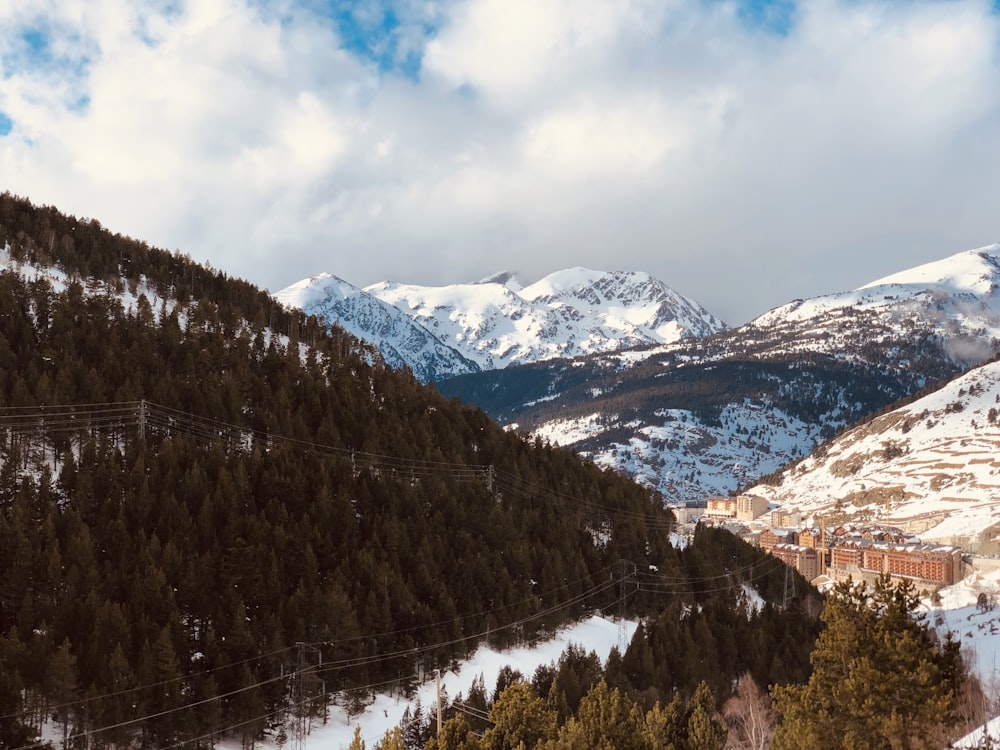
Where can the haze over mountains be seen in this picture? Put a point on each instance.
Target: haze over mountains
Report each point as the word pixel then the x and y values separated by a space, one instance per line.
pixel 667 394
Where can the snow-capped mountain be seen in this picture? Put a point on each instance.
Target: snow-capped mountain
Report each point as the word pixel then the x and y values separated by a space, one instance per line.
pixel 707 416
pixel 402 341
pixel 956 299
pixel 496 322
pixel 932 466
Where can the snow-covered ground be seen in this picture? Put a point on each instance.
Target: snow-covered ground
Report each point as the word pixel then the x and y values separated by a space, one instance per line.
pixel 978 629
pixel 593 634
pixel 684 456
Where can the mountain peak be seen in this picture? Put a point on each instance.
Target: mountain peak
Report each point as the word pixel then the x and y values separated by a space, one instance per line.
pixel 972 270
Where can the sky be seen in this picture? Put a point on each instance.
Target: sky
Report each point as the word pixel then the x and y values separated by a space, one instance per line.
pixel 745 152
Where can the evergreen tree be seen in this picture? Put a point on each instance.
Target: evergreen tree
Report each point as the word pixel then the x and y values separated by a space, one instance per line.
pixel 609 719
pixel 391 740
pixel 704 732
pixel 880 679
pixel 520 718
pixel 666 728
pixel 456 734
pixel 356 742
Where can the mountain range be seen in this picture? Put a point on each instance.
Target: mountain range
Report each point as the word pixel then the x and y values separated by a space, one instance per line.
pixel 439 332
pixel 678 400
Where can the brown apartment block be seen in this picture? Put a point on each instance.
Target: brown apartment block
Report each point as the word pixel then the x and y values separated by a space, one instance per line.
pixel 863 559
pixel 810 538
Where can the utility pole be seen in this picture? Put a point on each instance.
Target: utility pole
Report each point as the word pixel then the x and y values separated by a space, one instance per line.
pixel 142 422
pixel 437 682
pixel 622 595
pixel 822 545
pixel 298 715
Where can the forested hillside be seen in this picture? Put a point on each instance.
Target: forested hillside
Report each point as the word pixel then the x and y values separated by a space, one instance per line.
pixel 193 480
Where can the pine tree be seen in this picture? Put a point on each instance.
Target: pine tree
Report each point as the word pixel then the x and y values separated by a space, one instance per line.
pixel 391 740
pixel 704 732
pixel 880 679
pixel 609 718
pixel 456 734
pixel 519 717
pixel 356 742
pixel 666 728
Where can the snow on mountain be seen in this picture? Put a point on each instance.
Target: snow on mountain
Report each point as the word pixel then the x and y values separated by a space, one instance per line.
pixel 713 414
pixel 956 298
pixel 402 341
pixel 441 331
pixel 688 458
pixel 567 314
pixel 932 467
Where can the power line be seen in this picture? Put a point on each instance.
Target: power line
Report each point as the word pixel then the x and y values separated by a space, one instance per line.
pixel 331 666
pixel 146 417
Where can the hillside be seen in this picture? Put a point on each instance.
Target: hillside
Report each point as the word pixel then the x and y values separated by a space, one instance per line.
pixel 194 479
pixel 930 467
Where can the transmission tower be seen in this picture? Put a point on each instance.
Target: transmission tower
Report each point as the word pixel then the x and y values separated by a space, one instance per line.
pixel 625 587
pixel 301 692
pixel 789 586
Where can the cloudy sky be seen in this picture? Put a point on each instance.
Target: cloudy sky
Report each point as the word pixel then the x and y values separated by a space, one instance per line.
pixel 746 152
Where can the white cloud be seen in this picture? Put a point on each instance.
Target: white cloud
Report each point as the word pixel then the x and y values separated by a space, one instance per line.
pixel 742 166
pixel 514 50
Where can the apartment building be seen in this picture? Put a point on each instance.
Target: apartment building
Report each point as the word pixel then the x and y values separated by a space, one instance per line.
pixel 932 565
pixel 806 560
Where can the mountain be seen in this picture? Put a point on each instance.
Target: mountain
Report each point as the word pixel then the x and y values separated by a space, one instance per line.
pixel 402 341
pixel 931 467
pixel 706 416
pixel 955 301
pixel 496 323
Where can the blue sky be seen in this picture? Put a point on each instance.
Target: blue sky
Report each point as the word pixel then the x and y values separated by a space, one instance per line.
pixel 747 152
